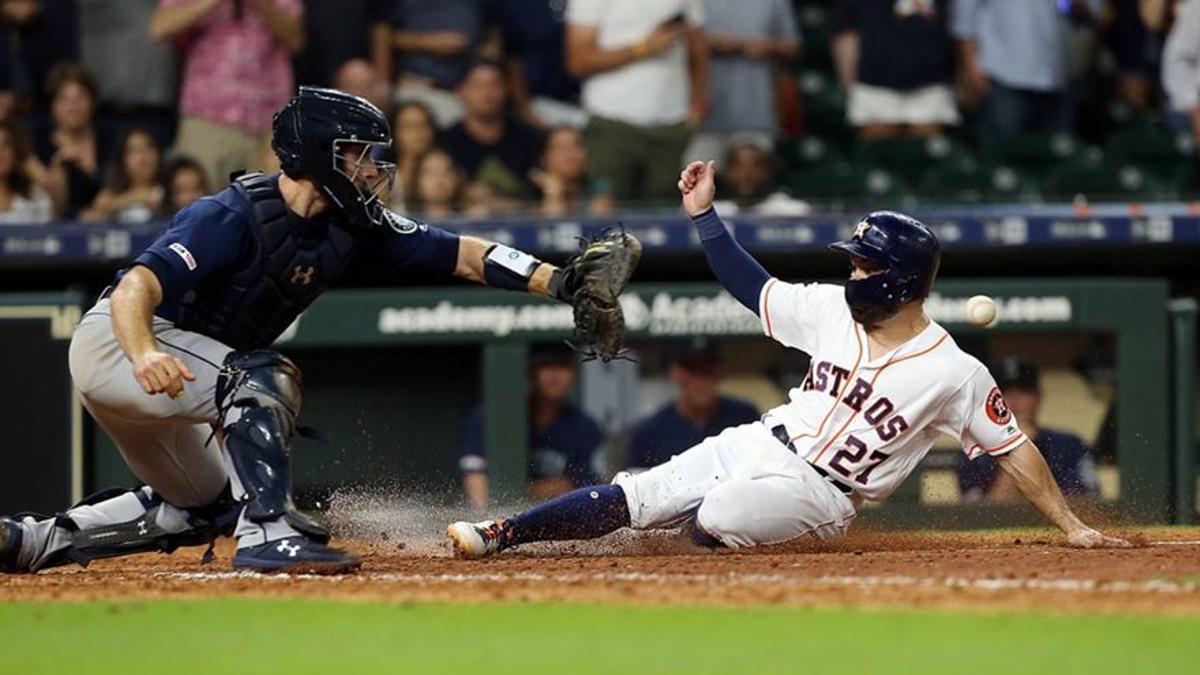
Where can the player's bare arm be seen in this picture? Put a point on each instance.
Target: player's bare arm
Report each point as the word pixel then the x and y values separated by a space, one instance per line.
pixel 1028 470
pixel 133 303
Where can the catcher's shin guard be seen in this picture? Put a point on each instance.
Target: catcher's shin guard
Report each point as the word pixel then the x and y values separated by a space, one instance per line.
pixel 154 526
pixel 264 386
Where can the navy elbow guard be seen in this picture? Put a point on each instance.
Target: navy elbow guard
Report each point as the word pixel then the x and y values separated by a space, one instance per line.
pixel 508 268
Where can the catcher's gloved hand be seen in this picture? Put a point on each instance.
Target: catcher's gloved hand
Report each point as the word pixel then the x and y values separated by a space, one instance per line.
pixel 591 282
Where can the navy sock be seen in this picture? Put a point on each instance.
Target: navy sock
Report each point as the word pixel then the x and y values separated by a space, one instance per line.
pixel 585 513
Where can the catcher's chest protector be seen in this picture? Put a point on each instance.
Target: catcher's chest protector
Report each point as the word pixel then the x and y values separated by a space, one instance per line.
pixel 287 271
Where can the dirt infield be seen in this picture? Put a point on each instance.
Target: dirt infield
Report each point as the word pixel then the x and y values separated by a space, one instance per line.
pixel 993 571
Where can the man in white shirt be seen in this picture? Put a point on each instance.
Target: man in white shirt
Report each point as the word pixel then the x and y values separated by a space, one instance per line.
pixel 644 68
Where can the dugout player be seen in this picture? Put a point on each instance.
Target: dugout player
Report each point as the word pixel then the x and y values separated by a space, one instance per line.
pixel 175 362
pixel 1066 454
pixel 885 382
pixel 563 439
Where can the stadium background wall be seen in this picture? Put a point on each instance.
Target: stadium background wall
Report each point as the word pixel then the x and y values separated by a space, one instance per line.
pixel 390 374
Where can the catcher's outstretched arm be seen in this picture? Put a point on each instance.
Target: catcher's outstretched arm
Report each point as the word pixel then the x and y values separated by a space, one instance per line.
pixel 497 265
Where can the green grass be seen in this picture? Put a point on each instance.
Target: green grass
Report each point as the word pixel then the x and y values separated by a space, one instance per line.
pixel 262 637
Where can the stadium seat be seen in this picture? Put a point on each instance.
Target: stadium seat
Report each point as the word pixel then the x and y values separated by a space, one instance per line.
pixel 816 34
pixel 844 183
pixel 824 104
pixel 905 153
pixel 1035 154
pixel 1153 147
pixel 806 153
pixel 964 179
pixel 1099 178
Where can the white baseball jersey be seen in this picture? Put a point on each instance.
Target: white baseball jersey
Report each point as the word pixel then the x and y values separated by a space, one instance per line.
pixel 868 422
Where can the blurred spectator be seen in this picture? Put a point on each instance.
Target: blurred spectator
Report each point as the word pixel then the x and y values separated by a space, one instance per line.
pixel 1068 457
pixel 746 40
pixel 439 186
pixel 436 40
pixel 495 149
pixel 237 73
pixel 1014 60
pixel 1136 30
pixel 1181 66
pixel 71 151
pixel 360 77
pixel 563 180
pixel 18 85
pixel 186 181
pixel 748 183
pixel 698 413
pixel 543 92
pixel 338 31
pixel 45 33
pixel 894 61
pixel 415 132
pixel 22 202
pixel 562 438
pixel 133 189
pixel 644 68
pixel 132 90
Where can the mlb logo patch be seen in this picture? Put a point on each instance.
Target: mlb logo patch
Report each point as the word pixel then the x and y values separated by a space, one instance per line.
pixel 182 252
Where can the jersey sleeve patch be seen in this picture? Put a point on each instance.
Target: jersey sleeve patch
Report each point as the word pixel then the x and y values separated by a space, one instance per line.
pixel 996 408
pixel 183 252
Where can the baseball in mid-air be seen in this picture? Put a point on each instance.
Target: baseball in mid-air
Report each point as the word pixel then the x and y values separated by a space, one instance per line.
pixel 981 311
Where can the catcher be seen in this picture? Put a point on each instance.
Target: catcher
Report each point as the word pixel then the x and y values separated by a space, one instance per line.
pixel 174 360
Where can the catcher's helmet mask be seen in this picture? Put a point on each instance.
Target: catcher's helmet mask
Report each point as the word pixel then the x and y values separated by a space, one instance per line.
pixel 312 134
pixel 909 253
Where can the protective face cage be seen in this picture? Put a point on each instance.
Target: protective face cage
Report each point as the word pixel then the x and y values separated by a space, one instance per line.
pixel 368 192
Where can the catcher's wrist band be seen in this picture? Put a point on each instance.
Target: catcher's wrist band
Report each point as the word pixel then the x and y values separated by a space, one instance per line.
pixel 508 268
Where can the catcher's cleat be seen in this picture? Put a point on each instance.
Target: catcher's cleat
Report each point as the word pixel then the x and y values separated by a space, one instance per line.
pixel 10 545
pixel 476 540
pixel 296 555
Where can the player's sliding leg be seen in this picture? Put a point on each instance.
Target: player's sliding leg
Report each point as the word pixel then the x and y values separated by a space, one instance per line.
pixel 773 509
pixel 586 513
pixel 664 496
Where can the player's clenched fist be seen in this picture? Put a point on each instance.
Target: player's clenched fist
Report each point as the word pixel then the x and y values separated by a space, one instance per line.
pixel 1089 538
pixel 160 373
pixel 698 187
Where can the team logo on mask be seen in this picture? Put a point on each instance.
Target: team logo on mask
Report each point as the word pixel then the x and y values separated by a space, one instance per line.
pixel 997 409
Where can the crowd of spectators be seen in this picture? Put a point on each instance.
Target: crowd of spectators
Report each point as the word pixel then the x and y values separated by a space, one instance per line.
pixel 552 107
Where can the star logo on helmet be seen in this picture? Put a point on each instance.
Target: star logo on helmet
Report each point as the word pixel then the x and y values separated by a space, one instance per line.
pixel 861 229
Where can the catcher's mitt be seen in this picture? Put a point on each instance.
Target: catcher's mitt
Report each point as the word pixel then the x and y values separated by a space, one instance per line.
pixel 591 283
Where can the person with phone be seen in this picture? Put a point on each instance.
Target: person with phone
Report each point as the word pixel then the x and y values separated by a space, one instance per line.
pixel 645 88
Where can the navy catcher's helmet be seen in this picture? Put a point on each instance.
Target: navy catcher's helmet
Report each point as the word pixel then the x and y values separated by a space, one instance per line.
pixel 309 135
pixel 906 248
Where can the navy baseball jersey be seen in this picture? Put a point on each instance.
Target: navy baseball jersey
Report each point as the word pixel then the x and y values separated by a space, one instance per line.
pixel 211 239
pixel 666 433
pixel 566 447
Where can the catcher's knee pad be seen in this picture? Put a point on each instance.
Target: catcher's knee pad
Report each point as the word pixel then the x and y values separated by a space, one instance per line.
pixel 263 388
pixel 142 523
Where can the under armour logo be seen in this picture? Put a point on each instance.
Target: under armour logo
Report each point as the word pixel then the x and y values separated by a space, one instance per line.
pixel 143 529
pixel 303 275
pixel 859 231
pixel 285 547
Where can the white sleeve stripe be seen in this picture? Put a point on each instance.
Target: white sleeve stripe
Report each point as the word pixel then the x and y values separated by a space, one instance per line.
pixel 1005 447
